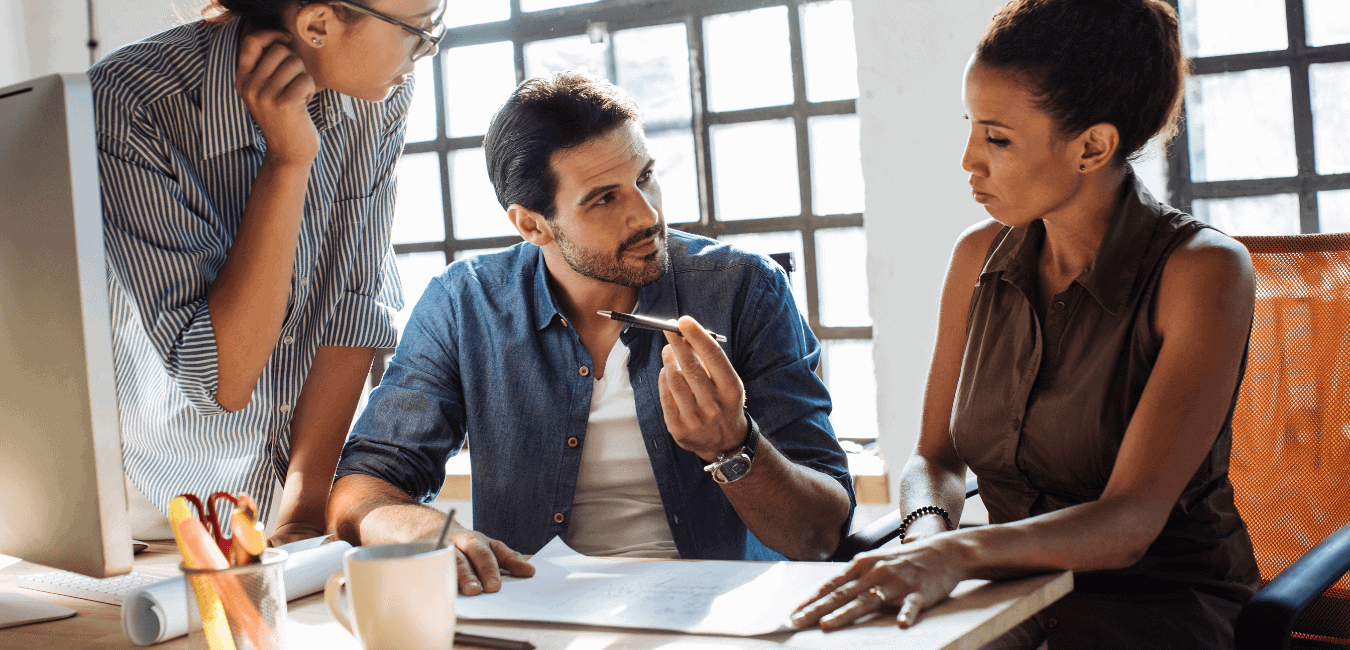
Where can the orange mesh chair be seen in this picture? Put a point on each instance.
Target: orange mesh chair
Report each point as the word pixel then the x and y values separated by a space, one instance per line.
pixel 1291 443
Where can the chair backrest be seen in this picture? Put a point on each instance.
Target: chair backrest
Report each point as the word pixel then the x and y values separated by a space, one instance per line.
pixel 1291 430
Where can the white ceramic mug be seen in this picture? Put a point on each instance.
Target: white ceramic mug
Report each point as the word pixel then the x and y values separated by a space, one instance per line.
pixel 398 596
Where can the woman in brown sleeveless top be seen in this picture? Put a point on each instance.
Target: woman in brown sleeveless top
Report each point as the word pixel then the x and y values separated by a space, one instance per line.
pixel 1090 345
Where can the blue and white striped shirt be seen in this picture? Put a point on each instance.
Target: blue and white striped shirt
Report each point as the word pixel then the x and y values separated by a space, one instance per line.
pixel 178 154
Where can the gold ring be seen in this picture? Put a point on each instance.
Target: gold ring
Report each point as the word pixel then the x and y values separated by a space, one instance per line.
pixel 881 598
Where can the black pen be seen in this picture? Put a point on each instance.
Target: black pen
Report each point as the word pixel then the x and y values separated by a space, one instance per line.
pixel 491 642
pixel 646 322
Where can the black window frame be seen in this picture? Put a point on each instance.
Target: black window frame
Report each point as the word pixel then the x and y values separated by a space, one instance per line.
pixel 1183 191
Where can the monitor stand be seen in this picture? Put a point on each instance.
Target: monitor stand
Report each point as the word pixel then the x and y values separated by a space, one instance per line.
pixel 18 609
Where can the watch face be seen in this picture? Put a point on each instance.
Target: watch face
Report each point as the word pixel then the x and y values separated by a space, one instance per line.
pixel 734 468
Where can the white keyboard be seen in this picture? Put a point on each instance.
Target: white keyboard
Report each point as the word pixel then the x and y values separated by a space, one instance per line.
pixel 108 590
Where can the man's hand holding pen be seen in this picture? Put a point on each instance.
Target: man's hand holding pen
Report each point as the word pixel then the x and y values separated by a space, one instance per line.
pixel 702 397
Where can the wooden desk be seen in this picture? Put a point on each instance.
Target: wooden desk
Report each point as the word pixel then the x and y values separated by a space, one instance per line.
pixel 977 612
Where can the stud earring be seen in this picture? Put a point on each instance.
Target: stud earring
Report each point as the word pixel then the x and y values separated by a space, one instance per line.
pixel 316 41
pixel 1082 168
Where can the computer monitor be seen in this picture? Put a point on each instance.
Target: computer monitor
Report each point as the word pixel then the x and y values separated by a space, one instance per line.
pixel 63 500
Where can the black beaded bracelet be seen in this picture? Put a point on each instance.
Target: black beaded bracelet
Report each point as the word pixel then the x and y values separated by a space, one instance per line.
pixel 919 512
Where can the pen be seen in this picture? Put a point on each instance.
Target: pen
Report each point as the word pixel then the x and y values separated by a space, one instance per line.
pixel 646 322
pixel 491 642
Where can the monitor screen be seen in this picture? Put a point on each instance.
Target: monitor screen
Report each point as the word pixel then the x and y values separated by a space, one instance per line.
pixel 63 500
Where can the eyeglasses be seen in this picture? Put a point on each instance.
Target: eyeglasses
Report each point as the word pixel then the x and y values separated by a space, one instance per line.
pixel 429 42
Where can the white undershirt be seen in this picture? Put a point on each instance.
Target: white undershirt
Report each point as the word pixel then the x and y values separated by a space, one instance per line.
pixel 616 510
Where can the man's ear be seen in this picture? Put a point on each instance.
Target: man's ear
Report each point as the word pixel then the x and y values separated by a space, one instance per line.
pixel 315 24
pixel 1097 146
pixel 531 225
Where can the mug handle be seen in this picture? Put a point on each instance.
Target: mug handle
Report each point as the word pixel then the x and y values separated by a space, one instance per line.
pixel 332 594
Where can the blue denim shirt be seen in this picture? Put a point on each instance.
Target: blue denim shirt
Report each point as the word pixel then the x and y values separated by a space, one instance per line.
pixel 487 353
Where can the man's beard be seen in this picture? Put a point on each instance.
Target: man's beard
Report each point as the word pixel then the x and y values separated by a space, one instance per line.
pixel 614 268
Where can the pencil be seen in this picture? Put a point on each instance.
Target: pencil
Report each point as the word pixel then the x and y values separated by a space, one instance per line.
pixel 649 323
pixel 491 642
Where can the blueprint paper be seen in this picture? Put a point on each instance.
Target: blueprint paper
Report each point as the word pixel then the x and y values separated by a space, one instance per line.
pixel 706 597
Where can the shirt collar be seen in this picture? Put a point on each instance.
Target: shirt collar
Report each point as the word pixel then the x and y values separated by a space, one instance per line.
pixel 226 123
pixel 657 299
pixel 1111 274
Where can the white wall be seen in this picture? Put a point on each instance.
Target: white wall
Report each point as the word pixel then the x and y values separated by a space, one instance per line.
pixel 39 37
pixel 911 54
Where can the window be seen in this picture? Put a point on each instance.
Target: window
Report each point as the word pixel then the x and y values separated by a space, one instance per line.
pixel 1265 146
pixel 749 107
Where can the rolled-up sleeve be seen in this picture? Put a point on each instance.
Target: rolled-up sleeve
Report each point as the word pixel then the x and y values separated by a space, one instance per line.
pixel 364 316
pixel 776 356
pixel 414 421
pixel 166 256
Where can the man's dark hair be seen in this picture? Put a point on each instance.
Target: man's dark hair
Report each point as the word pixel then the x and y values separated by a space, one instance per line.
pixel 543 116
pixel 1094 61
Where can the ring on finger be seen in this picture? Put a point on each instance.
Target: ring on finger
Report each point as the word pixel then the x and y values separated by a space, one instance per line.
pixel 876 592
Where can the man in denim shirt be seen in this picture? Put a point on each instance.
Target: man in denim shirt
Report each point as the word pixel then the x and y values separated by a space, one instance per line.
pixel 646 457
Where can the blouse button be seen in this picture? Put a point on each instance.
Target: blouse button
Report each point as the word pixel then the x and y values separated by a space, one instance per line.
pixel 584 371
pixel 558 518
pixel 288 340
pixel 572 442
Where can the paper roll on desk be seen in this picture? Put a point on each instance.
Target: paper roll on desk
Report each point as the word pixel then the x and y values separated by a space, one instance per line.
pixel 159 612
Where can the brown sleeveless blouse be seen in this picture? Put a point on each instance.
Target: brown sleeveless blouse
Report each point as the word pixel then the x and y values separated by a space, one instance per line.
pixel 1043 404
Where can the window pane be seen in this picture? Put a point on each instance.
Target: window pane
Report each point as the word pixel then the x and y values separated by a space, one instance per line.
pixel 540 5
pixel 1215 27
pixel 1328 22
pixel 422 111
pixel 466 254
pixel 478 78
pixel 574 53
pixel 1334 211
pixel 1151 167
pixel 770 243
pixel 1330 85
pixel 674 154
pixel 653 66
pixel 474 207
pixel 836 164
pixel 828 51
pixel 748 64
pixel 1241 125
pixel 755 170
pixel 416 270
pixel 851 377
pixel 1276 214
pixel 477 12
pixel 418 212
pixel 841 277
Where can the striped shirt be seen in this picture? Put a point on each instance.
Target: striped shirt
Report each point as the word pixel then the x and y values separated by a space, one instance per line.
pixel 178 154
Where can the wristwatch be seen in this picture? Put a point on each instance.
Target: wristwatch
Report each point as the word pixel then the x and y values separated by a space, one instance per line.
pixel 729 468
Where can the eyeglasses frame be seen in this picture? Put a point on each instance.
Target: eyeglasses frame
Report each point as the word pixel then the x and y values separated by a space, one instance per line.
pixel 430 42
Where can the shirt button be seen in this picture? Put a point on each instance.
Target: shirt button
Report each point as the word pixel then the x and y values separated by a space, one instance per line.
pixel 288 340
pixel 676 518
pixel 1017 423
pixel 564 321
pixel 558 517
pixel 585 371
pixel 572 442
pixel 284 408
pixel 1059 304
pixel 304 279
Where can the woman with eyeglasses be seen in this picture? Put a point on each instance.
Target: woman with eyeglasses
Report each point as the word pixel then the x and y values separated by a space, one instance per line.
pixel 247 169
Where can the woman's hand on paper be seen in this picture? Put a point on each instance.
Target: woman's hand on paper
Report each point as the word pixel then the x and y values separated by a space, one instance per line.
pixel 702 397
pixel 272 81
pixel 913 577
pixel 481 561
